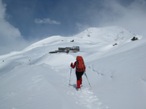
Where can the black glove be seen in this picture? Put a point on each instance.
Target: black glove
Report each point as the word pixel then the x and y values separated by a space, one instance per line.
pixel 71 65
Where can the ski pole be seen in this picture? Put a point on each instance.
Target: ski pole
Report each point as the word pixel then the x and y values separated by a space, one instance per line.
pixel 70 75
pixel 87 80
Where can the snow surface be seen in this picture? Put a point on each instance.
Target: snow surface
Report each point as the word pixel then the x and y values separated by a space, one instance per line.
pixel 34 79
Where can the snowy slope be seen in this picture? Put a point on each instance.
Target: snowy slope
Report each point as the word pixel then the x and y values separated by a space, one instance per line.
pixel 34 79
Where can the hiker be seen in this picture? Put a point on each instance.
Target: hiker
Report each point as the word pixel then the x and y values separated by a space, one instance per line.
pixel 80 69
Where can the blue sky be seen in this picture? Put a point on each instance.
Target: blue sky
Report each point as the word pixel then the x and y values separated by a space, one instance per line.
pixel 30 20
pixel 38 18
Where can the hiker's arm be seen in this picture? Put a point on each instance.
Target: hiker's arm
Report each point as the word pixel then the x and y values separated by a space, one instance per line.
pixel 73 65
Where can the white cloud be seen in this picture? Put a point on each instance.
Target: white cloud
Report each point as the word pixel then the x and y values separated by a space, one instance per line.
pixel 81 27
pixel 6 29
pixel 47 21
pixel 2 10
pixel 10 37
pixel 131 16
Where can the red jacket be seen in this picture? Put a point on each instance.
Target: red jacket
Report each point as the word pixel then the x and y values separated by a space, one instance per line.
pixel 73 65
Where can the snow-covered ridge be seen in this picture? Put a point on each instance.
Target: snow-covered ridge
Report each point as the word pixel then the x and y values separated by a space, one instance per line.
pixel 115 66
pixel 93 42
pixel 105 36
pixel 92 35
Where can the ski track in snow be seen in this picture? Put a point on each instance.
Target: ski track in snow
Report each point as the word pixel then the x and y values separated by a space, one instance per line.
pixel 86 98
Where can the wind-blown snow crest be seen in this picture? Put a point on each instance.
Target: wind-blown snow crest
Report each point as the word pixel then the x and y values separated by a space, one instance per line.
pixel 35 79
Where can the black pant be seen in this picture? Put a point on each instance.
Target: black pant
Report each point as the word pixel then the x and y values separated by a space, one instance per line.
pixel 79 75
